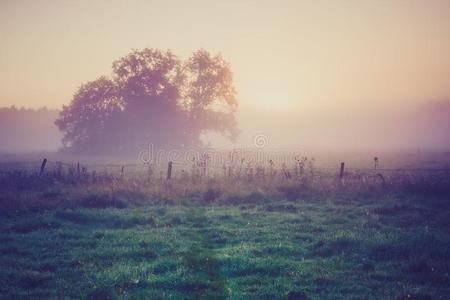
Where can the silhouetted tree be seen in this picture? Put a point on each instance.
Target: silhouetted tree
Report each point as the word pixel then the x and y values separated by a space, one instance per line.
pixel 87 121
pixel 153 97
pixel 210 97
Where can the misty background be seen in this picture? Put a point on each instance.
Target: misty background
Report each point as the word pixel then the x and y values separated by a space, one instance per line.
pixel 425 126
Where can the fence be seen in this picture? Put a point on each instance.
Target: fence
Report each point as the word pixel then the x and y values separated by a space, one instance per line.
pixel 170 170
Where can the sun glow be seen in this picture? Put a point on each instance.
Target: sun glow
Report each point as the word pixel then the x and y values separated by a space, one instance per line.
pixel 269 95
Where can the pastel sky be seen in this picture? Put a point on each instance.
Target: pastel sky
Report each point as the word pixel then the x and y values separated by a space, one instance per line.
pixel 286 55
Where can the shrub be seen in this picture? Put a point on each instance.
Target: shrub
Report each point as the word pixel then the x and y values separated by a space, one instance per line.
pixel 211 194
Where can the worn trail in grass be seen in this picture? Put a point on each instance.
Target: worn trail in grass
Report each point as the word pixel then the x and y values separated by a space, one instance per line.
pixel 207 282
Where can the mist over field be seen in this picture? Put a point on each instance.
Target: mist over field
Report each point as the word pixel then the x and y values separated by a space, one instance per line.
pixel 208 149
pixel 423 126
pixel 28 130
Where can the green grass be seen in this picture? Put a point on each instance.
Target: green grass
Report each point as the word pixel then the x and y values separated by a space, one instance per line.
pixel 323 248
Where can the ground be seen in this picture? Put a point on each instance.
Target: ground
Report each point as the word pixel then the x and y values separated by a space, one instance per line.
pixel 381 247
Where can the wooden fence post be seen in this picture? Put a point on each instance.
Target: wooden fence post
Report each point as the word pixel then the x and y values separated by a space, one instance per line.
pixel 121 172
pixel 78 169
pixel 341 173
pixel 169 170
pixel 44 162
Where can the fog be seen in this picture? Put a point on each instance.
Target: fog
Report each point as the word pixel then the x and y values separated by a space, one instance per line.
pixel 28 130
pixel 424 126
pixel 421 127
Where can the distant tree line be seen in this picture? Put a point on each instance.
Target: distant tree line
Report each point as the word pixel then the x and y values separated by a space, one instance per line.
pixel 152 97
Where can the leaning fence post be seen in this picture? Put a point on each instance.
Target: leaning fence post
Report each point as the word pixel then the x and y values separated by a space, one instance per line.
pixel 341 173
pixel 44 162
pixel 169 170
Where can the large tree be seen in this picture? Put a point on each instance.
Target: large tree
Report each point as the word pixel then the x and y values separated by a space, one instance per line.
pixel 152 97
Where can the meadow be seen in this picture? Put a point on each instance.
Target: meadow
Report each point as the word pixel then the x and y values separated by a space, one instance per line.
pixel 85 234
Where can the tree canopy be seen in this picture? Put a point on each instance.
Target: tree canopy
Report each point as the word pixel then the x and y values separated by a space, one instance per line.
pixel 151 97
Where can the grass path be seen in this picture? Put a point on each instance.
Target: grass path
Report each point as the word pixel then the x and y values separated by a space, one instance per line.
pixel 201 261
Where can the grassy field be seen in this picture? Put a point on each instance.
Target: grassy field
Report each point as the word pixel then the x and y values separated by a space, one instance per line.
pixel 394 248
pixel 303 238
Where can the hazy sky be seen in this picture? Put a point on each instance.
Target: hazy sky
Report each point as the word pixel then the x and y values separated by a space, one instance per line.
pixel 307 55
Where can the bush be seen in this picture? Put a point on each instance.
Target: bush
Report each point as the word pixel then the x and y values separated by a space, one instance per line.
pixel 211 194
